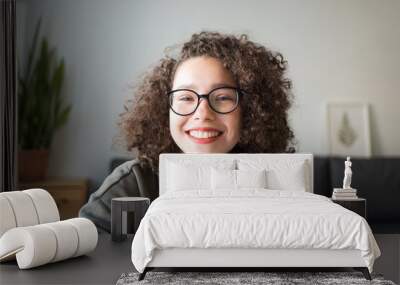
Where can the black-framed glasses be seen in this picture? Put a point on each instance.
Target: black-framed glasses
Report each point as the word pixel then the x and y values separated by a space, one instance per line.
pixel 222 100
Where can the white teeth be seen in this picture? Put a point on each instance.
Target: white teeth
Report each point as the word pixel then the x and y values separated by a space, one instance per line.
pixel 203 135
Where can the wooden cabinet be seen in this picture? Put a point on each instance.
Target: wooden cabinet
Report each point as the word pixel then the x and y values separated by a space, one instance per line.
pixel 70 194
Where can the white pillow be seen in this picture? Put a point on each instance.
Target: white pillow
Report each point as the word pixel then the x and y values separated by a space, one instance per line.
pixel 281 174
pixel 288 179
pixel 183 175
pixel 223 179
pixel 251 179
pixel 237 179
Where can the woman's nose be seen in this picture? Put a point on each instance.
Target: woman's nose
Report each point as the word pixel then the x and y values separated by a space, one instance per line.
pixel 204 111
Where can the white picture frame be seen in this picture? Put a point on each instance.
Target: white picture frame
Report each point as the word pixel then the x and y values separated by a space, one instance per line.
pixel 349 129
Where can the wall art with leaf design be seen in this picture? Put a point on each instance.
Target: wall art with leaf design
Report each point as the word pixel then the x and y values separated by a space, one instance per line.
pixel 349 129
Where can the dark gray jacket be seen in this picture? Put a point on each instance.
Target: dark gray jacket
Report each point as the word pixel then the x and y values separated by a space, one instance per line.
pixel 128 179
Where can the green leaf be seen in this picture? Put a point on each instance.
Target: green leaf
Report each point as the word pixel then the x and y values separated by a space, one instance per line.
pixel 58 78
pixel 32 50
pixel 63 117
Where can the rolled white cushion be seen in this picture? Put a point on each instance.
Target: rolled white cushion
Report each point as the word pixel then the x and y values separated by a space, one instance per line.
pixel 67 240
pixel 87 235
pixel 7 218
pixel 40 244
pixel 33 245
pixel 45 205
pixel 26 208
pixel 23 208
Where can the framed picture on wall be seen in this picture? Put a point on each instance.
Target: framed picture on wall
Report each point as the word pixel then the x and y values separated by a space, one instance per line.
pixel 348 129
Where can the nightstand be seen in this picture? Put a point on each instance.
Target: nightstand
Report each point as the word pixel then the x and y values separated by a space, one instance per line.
pixel 126 214
pixel 70 194
pixel 358 205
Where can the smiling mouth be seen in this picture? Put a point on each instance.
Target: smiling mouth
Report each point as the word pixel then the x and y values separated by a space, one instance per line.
pixel 203 137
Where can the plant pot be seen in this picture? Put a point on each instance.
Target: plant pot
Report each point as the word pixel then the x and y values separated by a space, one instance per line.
pixel 33 164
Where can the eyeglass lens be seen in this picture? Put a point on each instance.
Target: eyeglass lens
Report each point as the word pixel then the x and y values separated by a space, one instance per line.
pixel 222 100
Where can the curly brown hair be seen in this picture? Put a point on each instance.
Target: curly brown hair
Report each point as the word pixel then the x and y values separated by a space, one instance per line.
pixel 257 70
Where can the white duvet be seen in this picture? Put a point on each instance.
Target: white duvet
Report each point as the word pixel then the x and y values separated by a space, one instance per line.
pixel 252 218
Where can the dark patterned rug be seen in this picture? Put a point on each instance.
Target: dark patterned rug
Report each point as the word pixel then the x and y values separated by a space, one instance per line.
pixel 229 278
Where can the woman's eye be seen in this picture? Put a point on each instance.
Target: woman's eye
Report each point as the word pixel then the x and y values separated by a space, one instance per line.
pixel 185 98
pixel 224 98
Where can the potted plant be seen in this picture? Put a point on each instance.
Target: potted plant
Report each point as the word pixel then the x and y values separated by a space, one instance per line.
pixel 41 110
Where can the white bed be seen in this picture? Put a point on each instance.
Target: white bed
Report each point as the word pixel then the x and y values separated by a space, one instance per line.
pixel 268 217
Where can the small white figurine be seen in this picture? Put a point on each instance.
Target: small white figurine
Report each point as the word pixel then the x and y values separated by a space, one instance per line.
pixel 347 174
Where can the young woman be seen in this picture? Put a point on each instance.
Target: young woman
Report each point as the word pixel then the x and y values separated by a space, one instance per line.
pixel 221 94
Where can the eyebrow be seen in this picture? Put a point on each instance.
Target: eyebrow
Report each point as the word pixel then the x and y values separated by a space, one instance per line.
pixel 213 86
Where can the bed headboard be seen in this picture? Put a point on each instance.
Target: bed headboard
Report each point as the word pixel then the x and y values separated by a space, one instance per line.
pixel 238 158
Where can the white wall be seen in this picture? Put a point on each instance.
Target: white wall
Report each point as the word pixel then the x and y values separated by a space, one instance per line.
pixel 336 50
